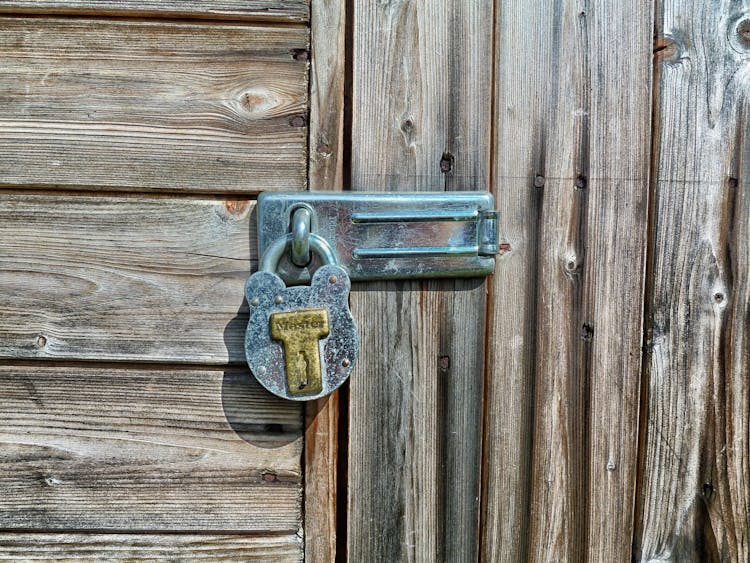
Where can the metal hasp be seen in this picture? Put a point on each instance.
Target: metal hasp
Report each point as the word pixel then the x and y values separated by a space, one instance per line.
pixel 381 236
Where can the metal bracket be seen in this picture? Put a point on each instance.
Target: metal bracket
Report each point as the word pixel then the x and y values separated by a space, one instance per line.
pixel 382 236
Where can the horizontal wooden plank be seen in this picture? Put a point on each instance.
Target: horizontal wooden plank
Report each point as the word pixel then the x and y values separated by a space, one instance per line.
pixel 125 105
pixel 149 547
pixel 270 10
pixel 114 448
pixel 124 278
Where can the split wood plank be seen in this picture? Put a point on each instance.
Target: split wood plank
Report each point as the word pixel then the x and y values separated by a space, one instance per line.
pixel 126 278
pixel 420 121
pixel 264 10
pixel 571 167
pixel 126 105
pixel 325 172
pixel 695 489
pixel 122 448
pixel 150 547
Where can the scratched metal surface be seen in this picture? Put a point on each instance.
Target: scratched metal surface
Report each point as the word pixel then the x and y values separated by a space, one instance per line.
pixel 339 349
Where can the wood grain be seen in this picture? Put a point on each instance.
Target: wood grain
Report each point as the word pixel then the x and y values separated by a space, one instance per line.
pixel 325 172
pixel 571 164
pixel 270 10
pixel 328 26
pixel 125 105
pixel 694 493
pixel 158 279
pixel 321 478
pixel 420 121
pixel 149 547
pixel 122 448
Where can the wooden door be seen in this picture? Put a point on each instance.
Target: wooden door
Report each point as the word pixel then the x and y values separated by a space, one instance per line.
pixel 589 402
pixel 133 139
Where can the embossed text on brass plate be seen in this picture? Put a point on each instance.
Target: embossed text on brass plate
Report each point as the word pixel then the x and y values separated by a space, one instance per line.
pixel 300 333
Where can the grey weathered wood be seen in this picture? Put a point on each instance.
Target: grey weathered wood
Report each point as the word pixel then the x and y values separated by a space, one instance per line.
pixel 271 10
pixel 696 464
pixel 126 105
pixel 123 448
pixel 328 25
pixel 571 164
pixel 420 95
pixel 156 279
pixel 150 547
pixel 321 474
pixel 325 172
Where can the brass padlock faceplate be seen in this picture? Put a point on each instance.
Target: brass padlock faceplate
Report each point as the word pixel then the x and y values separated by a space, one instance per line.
pixel 300 333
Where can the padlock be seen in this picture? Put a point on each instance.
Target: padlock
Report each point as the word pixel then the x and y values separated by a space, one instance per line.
pixel 301 342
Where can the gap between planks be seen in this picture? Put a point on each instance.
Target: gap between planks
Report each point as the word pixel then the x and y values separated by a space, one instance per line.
pixel 201 19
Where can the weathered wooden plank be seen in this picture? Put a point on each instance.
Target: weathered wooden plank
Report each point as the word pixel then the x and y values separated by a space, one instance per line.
pixel 420 121
pixel 122 448
pixel 328 25
pixel 325 172
pixel 149 547
pixel 321 475
pixel 270 10
pixel 694 497
pixel 571 179
pixel 124 278
pixel 125 105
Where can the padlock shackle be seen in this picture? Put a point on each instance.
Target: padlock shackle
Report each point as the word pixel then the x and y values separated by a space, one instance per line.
pixel 271 257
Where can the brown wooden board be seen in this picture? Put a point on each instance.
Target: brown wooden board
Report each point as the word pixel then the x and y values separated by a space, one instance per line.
pixel 157 279
pixel 126 105
pixel 271 10
pixel 325 172
pixel 695 490
pixel 571 168
pixel 74 547
pixel 105 447
pixel 420 121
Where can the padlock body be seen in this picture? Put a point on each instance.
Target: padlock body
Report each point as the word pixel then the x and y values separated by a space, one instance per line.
pixel 296 333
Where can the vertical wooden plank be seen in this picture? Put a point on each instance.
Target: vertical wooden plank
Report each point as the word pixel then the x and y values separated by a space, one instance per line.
pixel 327 35
pixel 325 172
pixel 695 489
pixel 572 118
pixel 420 121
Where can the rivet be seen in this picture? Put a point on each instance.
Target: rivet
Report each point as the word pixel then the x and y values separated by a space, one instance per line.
pixel 346 363
pixel 262 370
pixel 278 299
pixel 333 279
pixel 255 302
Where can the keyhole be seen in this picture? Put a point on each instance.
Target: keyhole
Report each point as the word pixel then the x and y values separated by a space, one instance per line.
pixel 303 368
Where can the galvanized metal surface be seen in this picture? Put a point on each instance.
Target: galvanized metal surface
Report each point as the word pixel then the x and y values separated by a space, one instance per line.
pixel 384 235
pixel 267 294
